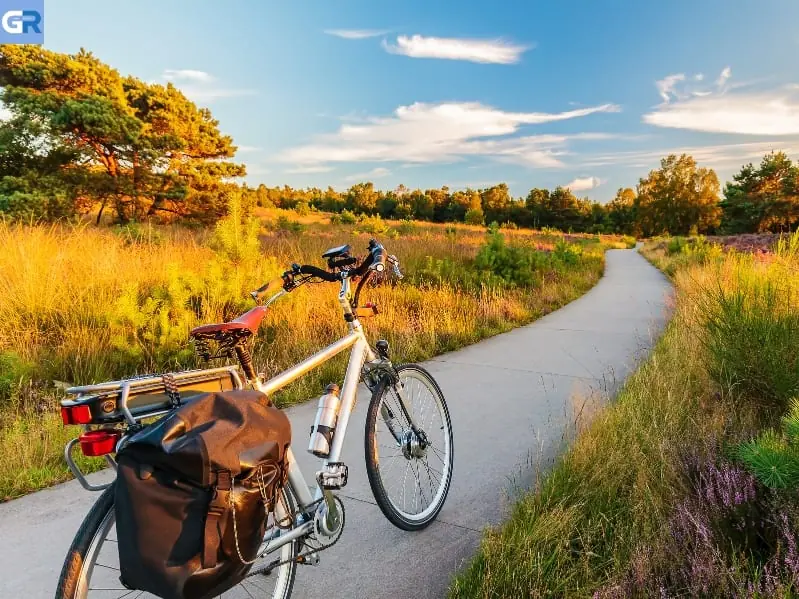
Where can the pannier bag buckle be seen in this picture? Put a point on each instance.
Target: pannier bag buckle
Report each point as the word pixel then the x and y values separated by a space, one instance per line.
pixel 171 389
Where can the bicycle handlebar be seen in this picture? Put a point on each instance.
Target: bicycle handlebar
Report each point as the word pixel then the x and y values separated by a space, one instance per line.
pixel 376 260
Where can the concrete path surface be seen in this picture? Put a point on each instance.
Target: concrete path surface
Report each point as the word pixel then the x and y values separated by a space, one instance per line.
pixel 512 400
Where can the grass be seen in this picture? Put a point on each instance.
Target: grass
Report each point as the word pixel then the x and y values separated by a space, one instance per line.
pixel 602 510
pixel 82 304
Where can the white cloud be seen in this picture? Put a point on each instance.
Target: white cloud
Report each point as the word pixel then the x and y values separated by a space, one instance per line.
pixel 667 86
pixel 716 156
pixel 310 169
pixel 726 73
pixel 430 133
pixel 187 75
pixel 200 86
pixel 726 108
pixel 771 112
pixel 356 34
pixel 496 51
pixel 247 149
pixel 584 183
pixel 375 173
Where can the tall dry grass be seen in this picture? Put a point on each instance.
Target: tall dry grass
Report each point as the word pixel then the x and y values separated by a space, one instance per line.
pixel 80 304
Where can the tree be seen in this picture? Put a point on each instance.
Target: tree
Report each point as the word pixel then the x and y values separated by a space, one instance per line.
pixel 678 198
pixel 496 202
pixel 537 204
pixel 763 199
pixel 362 197
pixel 622 211
pixel 564 210
pixel 144 148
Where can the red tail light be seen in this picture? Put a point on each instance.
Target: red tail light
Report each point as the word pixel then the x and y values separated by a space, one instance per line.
pixel 97 443
pixel 76 414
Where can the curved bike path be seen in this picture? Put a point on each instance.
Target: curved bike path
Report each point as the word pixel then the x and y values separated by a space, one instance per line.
pixel 514 399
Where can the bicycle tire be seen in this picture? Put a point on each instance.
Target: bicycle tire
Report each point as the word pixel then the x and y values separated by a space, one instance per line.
pixel 390 510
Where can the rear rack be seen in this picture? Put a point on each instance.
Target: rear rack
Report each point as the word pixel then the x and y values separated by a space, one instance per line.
pixel 132 400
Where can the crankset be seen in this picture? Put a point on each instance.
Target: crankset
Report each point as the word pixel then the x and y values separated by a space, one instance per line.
pixel 320 539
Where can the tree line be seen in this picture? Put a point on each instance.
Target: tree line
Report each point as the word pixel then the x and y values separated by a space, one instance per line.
pixel 679 198
pixel 82 139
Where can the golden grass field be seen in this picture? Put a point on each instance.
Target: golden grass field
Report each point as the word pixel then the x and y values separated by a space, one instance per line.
pixel 83 304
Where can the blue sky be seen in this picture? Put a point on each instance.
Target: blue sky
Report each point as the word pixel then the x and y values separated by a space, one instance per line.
pixel 533 93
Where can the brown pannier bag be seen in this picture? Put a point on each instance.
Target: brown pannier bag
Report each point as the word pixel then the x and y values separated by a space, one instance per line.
pixel 181 481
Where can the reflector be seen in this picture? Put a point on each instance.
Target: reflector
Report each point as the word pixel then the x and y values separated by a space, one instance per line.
pixel 97 443
pixel 76 414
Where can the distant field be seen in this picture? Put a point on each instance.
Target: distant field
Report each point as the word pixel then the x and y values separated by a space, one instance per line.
pixel 84 304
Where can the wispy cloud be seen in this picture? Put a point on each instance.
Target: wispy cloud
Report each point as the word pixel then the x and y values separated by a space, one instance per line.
pixel 584 183
pixel 248 149
pixel 726 108
pixel 435 133
pixel 200 86
pixel 496 51
pixel 717 156
pixel 666 86
pixel 310 169
pixel 375 173
pixel 356 34
pixel 187 75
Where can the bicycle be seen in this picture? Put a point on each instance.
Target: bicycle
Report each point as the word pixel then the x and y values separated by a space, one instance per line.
pixel 302 525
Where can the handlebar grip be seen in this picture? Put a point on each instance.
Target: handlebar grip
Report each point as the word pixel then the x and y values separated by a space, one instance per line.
pixel 265 289
pixel 308 269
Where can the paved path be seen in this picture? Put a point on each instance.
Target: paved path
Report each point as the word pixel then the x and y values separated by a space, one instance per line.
pixel 513 399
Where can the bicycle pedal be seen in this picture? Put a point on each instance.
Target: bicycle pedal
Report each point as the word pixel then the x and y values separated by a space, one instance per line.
pixel 312 559
pixel 334 476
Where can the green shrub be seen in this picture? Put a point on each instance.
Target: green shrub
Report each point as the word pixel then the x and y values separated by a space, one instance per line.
pixel 348 218
pixel 474 217
pixel 567 253
pixel 235 236
pixel 289 226
pixel 773 457
pixel 135 232
pixel 14 372
pixel 513 264
pixel 335 219
pixel 302 208
pixel 675 245
pixel 374 225
pixel 509 225
pixel 753 341
pixel 407 227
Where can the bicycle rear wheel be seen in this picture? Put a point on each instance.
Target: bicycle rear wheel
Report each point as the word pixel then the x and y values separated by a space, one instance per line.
pixel 91 569
pixel 409 470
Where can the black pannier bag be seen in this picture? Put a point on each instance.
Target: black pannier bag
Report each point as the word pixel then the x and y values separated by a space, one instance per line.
pixel 182 482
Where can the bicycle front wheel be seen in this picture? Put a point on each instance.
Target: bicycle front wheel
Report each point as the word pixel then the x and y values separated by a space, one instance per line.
pixel 91 569
pixel 409 448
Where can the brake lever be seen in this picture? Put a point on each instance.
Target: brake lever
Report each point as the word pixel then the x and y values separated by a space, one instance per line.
pixel 395 266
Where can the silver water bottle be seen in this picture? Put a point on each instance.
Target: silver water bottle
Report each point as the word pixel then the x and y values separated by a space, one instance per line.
pixel 325 424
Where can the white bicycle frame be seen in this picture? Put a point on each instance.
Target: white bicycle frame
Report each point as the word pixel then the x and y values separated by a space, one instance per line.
pixel 360 354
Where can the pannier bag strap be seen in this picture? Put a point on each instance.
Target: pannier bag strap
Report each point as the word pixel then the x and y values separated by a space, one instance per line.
pixel 171 389
pixel 216 509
